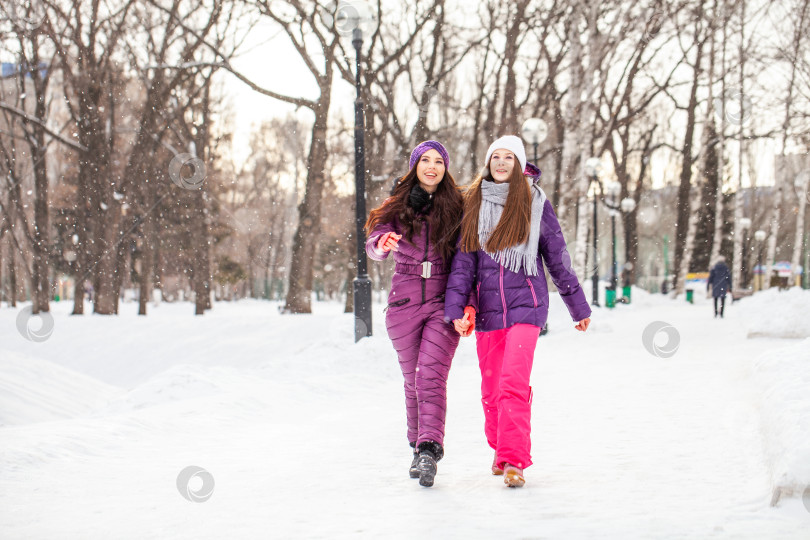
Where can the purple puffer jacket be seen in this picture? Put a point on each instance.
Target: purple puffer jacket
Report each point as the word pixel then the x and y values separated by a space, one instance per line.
pixel 407 281
pixel 506 298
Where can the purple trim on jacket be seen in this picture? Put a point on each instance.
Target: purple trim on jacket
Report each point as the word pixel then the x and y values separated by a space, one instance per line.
pixel 506 298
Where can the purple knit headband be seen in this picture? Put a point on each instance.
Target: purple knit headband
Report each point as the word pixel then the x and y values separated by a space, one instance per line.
pixel 424 147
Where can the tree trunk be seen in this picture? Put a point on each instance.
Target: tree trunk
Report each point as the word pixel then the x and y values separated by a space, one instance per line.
pixel 699 207
pixel 309 218
pixel 41 245
pixel 40 265
pixel 684 189
pixel 80 246
pixel 572 172
pixel 3 295
pixel 121 260
pixel 509 118
pixel 12 276
pixel 719 212
pixel 707 215
pixel 689 245
pixel 798 241
pixel 202 259
pixel 558 154
pixel 349 306
pixel 147 259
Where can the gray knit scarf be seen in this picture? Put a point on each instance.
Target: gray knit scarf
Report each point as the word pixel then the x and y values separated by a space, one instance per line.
pixel 493 200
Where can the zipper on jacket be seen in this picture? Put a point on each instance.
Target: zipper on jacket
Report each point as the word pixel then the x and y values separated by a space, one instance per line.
pixel 531 287
pixel 425 258
pixel 503 299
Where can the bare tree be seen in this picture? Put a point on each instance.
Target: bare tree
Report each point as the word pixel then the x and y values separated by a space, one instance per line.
pixel 687 200
pixel 792 52
pixel 85 55
pixel 32 67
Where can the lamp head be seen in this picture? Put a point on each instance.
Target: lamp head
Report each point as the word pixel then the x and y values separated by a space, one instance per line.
pixel 534 130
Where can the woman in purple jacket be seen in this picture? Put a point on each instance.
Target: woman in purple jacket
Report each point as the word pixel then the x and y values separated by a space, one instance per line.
pixel 420 224
pixel 508 231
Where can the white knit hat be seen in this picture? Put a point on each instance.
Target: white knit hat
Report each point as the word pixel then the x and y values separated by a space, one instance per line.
pixel 511 143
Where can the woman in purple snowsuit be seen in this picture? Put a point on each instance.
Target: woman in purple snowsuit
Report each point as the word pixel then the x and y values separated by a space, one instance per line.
pixel 420 223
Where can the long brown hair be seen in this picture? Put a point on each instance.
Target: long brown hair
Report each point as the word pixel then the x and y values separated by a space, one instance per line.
pixel 444 218
pixel 512 228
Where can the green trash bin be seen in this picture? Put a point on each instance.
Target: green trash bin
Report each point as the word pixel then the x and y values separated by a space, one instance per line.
pixel 690 294
pixel 626 293
pixel 610 297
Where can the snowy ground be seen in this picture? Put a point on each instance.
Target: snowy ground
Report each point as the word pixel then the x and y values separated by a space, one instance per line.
pixel 303 431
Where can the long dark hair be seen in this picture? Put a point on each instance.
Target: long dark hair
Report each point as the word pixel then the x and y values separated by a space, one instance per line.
pixel 444 217
pixel 512 228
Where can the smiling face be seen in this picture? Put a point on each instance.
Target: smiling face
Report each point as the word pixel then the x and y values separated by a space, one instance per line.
pixel 430 170
pixel 501 165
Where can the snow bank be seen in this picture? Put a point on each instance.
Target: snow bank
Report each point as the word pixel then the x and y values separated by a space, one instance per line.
pixel 57 392
pixel 775 313
pixel 783 376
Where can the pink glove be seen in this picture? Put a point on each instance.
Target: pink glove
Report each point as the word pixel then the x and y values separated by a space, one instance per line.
pixel 466 325
pixel 388 241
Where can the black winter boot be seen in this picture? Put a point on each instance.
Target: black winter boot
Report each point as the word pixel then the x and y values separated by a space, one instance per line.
pixel 429 453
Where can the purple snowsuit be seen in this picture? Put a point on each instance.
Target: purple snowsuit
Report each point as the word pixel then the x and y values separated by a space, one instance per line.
pixel 424 342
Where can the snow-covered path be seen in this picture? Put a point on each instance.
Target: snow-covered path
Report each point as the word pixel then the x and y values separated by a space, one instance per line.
pixel 303 432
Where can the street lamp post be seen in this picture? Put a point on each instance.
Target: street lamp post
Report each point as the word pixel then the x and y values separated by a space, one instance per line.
pixel 362 284
pixel 350 18
pixel 592 168
pixel 745 224
pixel 628 204
pixel 613 190
pixel 759 236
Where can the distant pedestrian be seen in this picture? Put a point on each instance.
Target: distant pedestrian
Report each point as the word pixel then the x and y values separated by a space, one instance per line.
pixel 719 284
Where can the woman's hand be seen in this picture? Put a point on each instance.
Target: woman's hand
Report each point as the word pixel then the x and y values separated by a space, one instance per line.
pixel 583 324
pixel 388 241
pixel 466 325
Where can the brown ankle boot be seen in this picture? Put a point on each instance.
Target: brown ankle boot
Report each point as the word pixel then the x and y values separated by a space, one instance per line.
pixel 513 476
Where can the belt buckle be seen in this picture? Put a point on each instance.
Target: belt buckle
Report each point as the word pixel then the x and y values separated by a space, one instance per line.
pixel 426 266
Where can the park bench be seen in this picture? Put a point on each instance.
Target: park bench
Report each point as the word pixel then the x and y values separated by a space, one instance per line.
pixel 736 295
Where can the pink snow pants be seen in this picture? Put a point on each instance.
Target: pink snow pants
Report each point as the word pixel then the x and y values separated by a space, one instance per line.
pixel 505 358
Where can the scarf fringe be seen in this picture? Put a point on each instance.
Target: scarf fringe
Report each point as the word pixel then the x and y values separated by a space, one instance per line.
pixel 514 260
pixel 514 257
